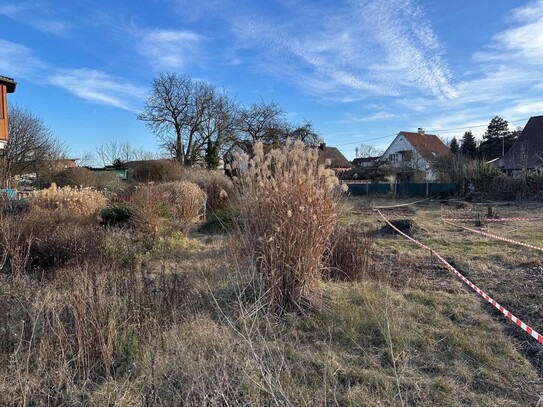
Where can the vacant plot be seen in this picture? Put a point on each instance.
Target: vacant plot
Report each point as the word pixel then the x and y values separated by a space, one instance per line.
pixel 511 274
pixel 129 318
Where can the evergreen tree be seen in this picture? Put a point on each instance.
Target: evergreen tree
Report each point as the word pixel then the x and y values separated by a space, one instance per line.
pixel 212 157
pixel 496 140
pixel 454 147
pixel 468 146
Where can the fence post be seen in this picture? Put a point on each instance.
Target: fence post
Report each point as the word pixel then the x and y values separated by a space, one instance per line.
pixel 427 187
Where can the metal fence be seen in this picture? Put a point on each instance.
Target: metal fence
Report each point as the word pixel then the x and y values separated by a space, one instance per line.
pixel 402 189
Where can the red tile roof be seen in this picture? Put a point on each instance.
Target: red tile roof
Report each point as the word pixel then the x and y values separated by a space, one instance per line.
pixel 427 145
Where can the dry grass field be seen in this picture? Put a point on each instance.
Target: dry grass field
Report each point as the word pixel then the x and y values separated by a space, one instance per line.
pixel 163 314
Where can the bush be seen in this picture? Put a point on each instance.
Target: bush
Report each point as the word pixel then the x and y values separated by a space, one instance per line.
pixel 76 177
pixel 221 192
pixel 158 171
pixel 166 207
pixel 288 213
pixel 117 215
pixel 221 221
pixel 13 206
pixel 107 180
pixel 70 201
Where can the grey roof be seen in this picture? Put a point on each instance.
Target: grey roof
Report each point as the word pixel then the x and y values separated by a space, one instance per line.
pixel 9 83
pixel 527 152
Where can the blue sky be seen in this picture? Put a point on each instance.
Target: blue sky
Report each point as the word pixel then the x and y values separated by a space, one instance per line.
pixel 360 71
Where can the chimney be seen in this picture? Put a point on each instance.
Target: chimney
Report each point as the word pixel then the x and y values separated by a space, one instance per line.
pixel 322 145
pixel 420 130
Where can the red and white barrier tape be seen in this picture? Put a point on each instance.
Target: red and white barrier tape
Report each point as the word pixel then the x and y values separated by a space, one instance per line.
pixel 492 236
pixel 492 220
pixel 401 205
pixel 505 312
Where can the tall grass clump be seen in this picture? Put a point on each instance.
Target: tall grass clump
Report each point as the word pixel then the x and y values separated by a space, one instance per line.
pixel 288 213
pixel 349 255
pixel 160 208
pixel 75 201
pixel 221 192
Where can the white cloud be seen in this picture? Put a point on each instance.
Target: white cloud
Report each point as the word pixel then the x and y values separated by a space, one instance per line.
pixel 18 60
pixel 350 50
pixel 168 49
pixel 99 87
pixel 38 16
pixel 380 115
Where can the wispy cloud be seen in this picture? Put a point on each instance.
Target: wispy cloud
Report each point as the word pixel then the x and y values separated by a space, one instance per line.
pixel 349 50
pixel 18 60
pixel 168 49
pixel 38 16
pixel 99 87
pixel 505 77
pixel 380 115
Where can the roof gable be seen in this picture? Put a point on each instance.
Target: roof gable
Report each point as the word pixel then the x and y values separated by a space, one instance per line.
pixel 337 159
pixel 429 146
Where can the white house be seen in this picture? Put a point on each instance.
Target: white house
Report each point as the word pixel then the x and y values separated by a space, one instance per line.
pixel 413 153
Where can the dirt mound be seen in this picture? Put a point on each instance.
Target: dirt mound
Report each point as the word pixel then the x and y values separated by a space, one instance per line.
pixel 407 226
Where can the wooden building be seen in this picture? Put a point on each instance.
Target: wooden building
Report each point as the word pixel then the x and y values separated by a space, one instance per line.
pixel 7 85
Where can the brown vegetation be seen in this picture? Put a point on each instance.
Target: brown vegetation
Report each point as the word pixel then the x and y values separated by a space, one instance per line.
pixel 288 214
pixel 94 315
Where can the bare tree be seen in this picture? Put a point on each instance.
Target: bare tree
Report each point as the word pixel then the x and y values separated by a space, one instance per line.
pixel 174 111
pixel 307 134
pixel 366 151
pixel 263 122
pixel 113 152
pixel 30 146
pixel 218 128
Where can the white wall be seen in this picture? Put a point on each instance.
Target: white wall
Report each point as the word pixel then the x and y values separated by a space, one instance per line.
pixel 400 143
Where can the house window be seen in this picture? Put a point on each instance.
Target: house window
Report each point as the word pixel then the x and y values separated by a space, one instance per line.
pixel 394 157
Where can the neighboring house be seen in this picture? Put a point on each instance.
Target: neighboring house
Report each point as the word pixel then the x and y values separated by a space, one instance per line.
pixel 7 85
pixel 527 152
pixel 338 162
pixel 412 154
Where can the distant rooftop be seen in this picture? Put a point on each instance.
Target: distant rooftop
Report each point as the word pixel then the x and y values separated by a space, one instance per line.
pixel 9 83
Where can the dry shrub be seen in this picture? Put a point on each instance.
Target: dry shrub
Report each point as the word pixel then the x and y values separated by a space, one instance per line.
pixel 166 207
pixel 158 171
pixel 350 253
pixel 60 226
pixel 107 180
pixel 15 244
pixel 75 177
pixel 221 192
pixel 70 201
pixel 288 213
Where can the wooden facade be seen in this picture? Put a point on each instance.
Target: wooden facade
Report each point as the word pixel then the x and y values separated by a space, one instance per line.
pixel 7 85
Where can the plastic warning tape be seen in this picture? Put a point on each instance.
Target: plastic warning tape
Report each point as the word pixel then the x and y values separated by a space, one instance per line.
pixel 492 220
pixel 505 312
pixel 402 205
pixel 504 239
